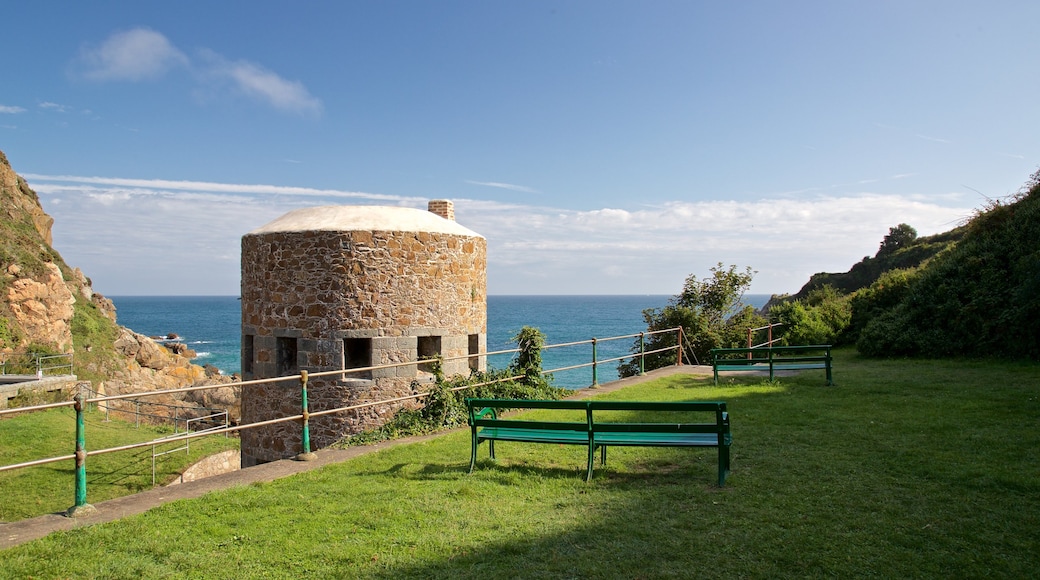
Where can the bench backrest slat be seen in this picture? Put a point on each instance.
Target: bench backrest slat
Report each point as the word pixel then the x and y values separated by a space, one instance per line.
pixel 677 406
pixel 660 427
pixel 522 424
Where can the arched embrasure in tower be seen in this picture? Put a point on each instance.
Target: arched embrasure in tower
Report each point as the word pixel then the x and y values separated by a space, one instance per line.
pixel 340 287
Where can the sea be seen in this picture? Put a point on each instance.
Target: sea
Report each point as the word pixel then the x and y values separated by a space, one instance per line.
pixel 211 326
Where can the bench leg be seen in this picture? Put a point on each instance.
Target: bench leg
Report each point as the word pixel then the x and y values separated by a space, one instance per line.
pixel 592 457
pixel 473 451
pixel 723 464
pixel 602 454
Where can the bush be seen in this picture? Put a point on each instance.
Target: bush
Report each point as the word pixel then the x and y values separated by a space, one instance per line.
pixel 444 405
pixel 981 298
pixel 821 318
pixel 710 314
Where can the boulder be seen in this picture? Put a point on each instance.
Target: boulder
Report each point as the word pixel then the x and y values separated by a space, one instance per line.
pixel 42 306
pixel 142 349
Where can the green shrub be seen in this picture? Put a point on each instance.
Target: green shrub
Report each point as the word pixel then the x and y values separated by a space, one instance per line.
pixel 820 318
pixel 444 405
pixel 710 314
pixel 93 335
pixel 981 298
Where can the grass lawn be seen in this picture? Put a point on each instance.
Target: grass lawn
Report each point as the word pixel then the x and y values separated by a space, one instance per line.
pixel 905 469
pixel 50 488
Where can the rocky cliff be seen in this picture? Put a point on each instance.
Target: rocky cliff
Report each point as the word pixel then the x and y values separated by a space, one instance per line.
pixel 48 307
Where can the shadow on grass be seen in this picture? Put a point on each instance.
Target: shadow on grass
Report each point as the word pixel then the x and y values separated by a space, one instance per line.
pixel 826 482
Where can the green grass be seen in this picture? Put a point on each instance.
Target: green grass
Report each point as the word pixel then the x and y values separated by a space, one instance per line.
pixel 906 469
pixel 50 488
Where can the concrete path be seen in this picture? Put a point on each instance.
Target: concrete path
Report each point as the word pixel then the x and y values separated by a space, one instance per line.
pixel 15 533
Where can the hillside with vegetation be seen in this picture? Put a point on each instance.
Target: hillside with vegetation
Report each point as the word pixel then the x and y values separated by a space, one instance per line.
pixel 50 308
pixel 971 292
pixel 901 249
pixel 46 306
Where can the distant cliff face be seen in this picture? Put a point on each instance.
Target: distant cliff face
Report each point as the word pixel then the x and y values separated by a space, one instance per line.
pixel 37 289
pixel 46 305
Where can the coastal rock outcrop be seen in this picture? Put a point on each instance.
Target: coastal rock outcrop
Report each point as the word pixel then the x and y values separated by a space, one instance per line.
pixel 41 306
pixel 41 296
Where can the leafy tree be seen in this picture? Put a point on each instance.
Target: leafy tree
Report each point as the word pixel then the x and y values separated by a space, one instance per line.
pixel 898 237
pixel 710 314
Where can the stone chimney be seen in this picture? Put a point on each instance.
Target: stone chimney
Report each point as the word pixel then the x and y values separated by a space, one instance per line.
pixel 442 207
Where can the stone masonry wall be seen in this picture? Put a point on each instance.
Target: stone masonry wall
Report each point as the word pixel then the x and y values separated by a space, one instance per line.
pixel 316 288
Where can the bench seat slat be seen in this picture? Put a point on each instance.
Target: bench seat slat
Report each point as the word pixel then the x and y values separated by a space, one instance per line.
pixel 656 439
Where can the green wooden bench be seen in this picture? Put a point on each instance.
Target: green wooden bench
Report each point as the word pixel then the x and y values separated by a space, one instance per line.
pixel 597 425
pixel 777 358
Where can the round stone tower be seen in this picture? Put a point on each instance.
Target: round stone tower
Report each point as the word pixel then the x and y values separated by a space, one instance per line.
pixel 342 287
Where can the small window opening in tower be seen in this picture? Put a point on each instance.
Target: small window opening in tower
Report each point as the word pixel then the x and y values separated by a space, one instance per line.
pixel 474 350
pixel 428 347
pixel 247 354
pixel 357 353
pixel 285 356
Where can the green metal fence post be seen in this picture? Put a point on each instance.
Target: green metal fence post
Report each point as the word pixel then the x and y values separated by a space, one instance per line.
pixel 595 382
pixel 82 508
pixel 305 454
pixel 642 366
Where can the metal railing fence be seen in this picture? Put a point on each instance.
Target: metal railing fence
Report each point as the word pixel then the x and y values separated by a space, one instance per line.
pixel 31 363
pixel 82 400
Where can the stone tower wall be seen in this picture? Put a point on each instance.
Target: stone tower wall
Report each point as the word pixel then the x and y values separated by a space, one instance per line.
pixel 400 293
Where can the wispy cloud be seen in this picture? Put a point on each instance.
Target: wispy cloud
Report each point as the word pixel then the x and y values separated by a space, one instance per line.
pixel 112 226
pixel 142 54
pixel 501 185
pixel 72 183
pixel 256 82
pixel 933 139
pixel 131 55
pixel 49 106
pixel 11 110
pixel 907 132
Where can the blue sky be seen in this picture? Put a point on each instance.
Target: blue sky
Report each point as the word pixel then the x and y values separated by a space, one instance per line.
pixel 601 147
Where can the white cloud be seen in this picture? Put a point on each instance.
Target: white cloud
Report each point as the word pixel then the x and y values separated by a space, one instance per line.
pixel 143 54
pixel 11 110
pixel 137 236
pixel 500 185
pixel 933 139
pixel 133 55
pixel 68 183
pixel 49 106
pixel 258 83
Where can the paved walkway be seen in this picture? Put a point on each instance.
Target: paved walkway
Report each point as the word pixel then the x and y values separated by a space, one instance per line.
pixel 15 533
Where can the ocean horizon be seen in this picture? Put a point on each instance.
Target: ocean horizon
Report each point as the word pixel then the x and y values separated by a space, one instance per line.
pixel 211 326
